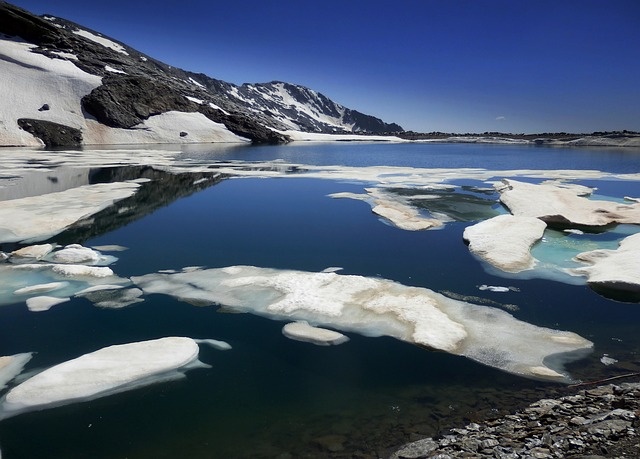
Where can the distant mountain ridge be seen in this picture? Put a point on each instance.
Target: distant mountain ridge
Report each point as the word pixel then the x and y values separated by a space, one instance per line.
pixel 88 88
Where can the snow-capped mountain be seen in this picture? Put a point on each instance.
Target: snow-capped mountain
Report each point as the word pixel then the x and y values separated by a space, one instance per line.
pixel 298 108
pixel 64 84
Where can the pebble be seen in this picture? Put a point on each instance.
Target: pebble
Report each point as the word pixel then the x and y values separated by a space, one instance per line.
pixel 591 424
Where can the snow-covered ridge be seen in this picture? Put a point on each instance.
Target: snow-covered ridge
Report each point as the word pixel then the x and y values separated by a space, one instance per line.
pixel 66 85
pixel 302 109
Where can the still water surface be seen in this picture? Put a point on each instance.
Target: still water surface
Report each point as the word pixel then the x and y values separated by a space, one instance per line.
pixel 273 397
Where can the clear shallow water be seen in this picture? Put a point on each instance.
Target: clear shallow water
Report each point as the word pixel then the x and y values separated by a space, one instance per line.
pixel 270 396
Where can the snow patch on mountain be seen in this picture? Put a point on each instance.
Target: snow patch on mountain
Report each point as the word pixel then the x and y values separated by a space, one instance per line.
pixel 31 80
pixel 169 127
pixel 101 41
pixel 298 108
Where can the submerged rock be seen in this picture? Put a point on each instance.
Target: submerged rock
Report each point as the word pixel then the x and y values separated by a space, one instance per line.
pixel 112 297
pixel 505 241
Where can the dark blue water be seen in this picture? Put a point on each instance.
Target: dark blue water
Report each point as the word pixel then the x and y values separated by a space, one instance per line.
pixel 436 155
pixel 273 397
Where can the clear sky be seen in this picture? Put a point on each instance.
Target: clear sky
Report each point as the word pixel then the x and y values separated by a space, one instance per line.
pixel 428 65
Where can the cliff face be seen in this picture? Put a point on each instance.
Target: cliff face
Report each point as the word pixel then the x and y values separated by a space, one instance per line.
pixel 68 85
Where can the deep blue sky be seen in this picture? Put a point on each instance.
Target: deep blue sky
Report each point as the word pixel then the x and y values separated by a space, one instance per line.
pixel 444 65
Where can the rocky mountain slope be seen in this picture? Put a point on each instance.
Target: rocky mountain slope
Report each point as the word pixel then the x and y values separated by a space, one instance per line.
pixel 65 85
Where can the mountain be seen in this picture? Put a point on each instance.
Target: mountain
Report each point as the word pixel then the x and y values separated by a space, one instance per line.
pixel 66 85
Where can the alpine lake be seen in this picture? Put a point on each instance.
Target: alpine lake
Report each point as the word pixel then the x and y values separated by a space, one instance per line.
pixel 269 207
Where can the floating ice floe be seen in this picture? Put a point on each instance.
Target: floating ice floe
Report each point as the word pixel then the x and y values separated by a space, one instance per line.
pixel 379 307
pixel 214 343
pixel 77 254
pixel 44 303
pixel 104 372
pixel 505 241
pixel 33 252
pixel 494 288
pixel 302 331
pixel 37 218
pixel 606 360
pixel 617 270
pixel 30 275
pixel 399 213
pixel 21 282
pixel 74 254
pixel 564 205
pixel 11 366
pixel 332 269
pixel 109 248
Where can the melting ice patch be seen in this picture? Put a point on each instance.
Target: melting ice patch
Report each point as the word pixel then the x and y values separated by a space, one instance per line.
pixel 302 331
pixel 37 218
pixel 379 307
pixel 104 372
pixel 11 366
pixel 23 282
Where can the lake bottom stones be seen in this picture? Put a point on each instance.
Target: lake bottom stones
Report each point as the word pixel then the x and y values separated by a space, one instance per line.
pixel 592 423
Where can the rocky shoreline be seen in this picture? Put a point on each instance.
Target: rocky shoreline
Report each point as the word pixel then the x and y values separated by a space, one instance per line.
pixel 593 422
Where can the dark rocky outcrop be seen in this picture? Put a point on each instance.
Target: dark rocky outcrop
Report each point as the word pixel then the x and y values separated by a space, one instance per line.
pixel 244 126
pixel 52 134
pixel 15 21
pixel 122 101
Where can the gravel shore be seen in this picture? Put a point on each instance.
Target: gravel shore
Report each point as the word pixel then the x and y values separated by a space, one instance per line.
pixel 593 422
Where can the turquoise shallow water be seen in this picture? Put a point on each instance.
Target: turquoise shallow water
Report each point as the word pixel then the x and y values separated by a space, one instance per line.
pixel 273 397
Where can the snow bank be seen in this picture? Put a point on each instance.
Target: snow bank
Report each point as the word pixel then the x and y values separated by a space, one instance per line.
pixel 377 307
pixel 164 128
pixel 30 80
pixel 104 372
